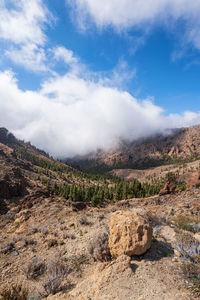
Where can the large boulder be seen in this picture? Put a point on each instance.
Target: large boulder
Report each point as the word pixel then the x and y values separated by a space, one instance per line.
pixel 130 234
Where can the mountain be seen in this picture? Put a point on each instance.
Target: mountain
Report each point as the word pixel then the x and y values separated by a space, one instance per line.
pixel 179 145
pixel 27 172
pixel 55 230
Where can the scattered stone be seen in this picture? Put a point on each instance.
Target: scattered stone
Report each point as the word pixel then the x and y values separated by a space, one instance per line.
pixel 15 253
pixel 196 227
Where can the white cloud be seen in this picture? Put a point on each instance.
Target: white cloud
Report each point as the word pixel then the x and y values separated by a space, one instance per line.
pixel 30 56
pixel 24 22
pixel 71 116
pixel 22 25
pixel 62 53
pixel 119 76
pixel 141 13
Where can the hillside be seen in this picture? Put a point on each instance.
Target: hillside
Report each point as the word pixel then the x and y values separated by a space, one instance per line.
pixel 55 230
pixel 27 172
pixel 180 145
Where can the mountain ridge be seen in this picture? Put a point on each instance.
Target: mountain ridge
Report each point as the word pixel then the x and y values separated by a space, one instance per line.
pixel 177 146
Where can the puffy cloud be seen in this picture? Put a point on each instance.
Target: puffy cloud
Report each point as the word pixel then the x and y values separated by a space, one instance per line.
pixel 22 25
pixel 71 115
pixel 141 13
pixel 23 21
pixel 30 56
pixel 62 53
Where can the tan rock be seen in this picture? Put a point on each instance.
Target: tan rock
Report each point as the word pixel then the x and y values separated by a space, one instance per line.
pixel 21 229
pixel 103 284
pixel 58 296
pixel 169 188
pixel 197 236
pixel 19 220
pixel 130 234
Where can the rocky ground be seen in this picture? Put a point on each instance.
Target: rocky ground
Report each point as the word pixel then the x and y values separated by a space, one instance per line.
pixel 50 240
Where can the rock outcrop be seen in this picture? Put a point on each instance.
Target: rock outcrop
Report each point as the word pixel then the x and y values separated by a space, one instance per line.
pixel 130 234
pixel 12 184
pixel 169 188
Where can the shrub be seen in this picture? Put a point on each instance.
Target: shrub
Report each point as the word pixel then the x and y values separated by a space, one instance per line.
pixel 75 262
pixel 14 292
pixel 30 242
pixel 7 248
pixel 83 220
pixel 34 268
pixel 34 230
pixel 191 272
pixel 98 247
pixel 52 243
pixel 198 185
pixel 44 231
pixel 57 271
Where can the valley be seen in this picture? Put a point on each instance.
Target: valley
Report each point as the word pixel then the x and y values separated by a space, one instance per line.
pixel 55 224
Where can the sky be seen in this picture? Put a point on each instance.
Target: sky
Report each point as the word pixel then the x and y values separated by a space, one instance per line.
pixel 79 75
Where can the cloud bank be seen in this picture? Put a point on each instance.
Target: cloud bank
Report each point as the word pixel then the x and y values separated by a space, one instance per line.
pixel 72 116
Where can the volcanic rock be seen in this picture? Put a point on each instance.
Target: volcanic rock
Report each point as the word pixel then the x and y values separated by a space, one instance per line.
pixel 130 234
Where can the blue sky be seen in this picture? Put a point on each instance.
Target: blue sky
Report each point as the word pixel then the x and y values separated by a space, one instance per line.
pixel 115 64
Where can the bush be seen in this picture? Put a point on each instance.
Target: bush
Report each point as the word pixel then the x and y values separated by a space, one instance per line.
pixel 14 292
pixel 57 271
pixel 98 247
pixel 34 268
pixel 75 262
pixel 30 242
pixel 191 272
pixel 83 220
pixel 52 243
pixel 7 248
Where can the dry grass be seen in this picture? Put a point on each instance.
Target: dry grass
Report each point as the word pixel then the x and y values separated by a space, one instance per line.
pixel 185 222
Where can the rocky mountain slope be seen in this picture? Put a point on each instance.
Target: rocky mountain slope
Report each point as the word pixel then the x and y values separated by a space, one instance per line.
pixel 58 241
pixel 180 145
pixel 27 172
